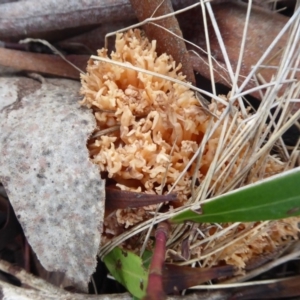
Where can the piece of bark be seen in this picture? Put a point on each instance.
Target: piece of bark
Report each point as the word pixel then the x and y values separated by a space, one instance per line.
pixel 166 42
pixel 43 63
pixel 31 18
pixel 35 19
pixel 56 192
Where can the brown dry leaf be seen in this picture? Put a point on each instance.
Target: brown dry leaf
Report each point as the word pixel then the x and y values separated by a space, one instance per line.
pixel 168 35
pixel 56 192
pixel 177 278
pixel 43 63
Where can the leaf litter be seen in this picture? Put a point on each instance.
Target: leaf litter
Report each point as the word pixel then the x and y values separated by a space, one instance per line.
pixel 50 181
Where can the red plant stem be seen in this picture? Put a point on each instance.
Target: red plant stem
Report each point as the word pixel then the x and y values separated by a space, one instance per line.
pixel 155 290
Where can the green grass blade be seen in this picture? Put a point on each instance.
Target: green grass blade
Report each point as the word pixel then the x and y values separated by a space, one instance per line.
pixel 276 197
pixel 127 268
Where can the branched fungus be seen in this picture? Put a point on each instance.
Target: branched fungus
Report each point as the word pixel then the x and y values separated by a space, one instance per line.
pixel 161 123
pixel 149 128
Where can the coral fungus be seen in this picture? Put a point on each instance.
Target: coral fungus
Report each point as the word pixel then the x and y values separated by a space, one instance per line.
pixel 149 128
pixel 161 122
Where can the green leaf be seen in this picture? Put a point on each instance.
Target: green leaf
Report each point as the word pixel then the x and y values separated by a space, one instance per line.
pixel 146 257
pixel 127 268
pixel 276 197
